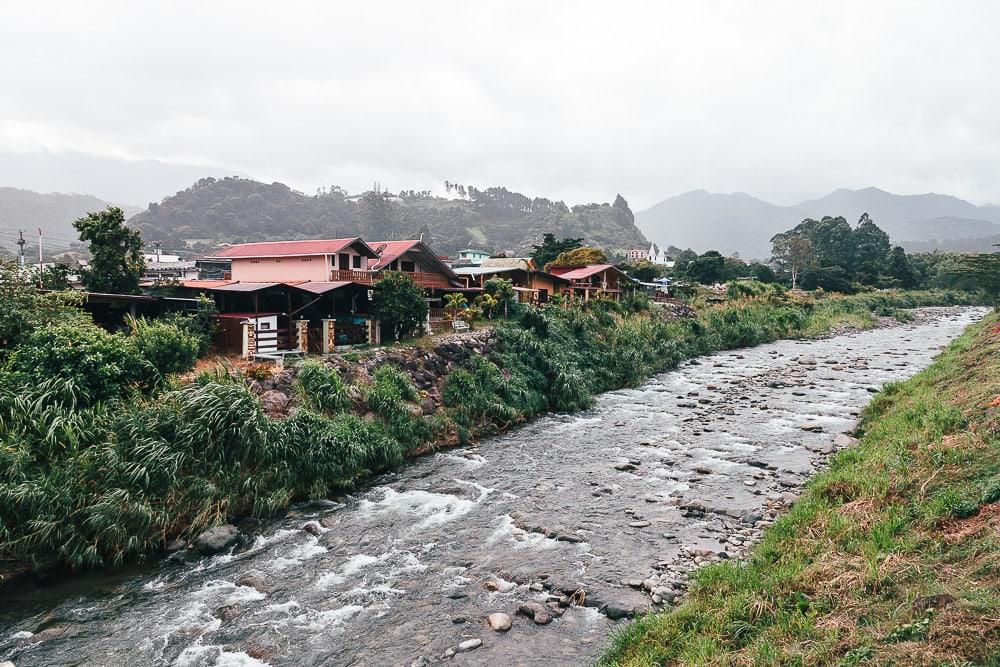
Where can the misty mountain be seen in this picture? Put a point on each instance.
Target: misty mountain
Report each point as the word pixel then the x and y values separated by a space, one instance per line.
pixel 133 182
pixel 235 210
pixel 53 212
pixel 741 223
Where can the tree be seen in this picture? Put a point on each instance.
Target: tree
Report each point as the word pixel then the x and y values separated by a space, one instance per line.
pixel 400 304
pixel 551 248
pixel 708 268
pixel 829 278
pixel 898 266
pixel 643 271
pixel 983 269
pixel 793 252
pixel 580 257
pixel 455 302
pixel 116 261
pixel 762 272
pixel 501 289
pixel 871 250
pixel 56 277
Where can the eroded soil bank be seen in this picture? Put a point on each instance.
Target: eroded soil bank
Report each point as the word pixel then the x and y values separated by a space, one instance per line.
pixel 580 519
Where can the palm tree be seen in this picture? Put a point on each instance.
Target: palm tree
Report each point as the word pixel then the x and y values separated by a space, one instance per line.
pixel 454 303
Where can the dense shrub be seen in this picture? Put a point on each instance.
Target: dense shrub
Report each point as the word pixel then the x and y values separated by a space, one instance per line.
pixel 100 364
pixel 166 346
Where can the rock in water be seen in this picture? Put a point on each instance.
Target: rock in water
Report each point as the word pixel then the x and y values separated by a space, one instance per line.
pixel 312 527
pixel 216 539
pixel 499 621
pixel 536 612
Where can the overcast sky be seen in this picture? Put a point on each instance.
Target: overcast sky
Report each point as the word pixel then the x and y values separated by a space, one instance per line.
pixel 573 100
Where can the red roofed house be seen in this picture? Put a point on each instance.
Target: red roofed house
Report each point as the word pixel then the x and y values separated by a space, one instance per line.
pixel 417 260
pixel 311 284
pixel 587 281
pixel 283 261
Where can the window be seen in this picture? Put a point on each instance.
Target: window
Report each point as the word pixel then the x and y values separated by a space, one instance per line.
pixel 345 261
pixel 356 261
pixel 409 267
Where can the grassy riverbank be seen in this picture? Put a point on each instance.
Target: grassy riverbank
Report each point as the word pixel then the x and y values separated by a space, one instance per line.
pixel 891 556
pixel 88 484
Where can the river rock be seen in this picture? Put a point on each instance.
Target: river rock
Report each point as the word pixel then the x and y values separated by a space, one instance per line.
pixel 216 539
pixel 844 440
pixel 274 403
pixel 499 621
pixel 615 612
pixel 536 612
pixel 312 527
pixel 255 580
pixel 810 426
pixel 470 645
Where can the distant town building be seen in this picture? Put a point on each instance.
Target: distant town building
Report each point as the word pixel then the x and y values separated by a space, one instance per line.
pixel 635 254
pixel 470 257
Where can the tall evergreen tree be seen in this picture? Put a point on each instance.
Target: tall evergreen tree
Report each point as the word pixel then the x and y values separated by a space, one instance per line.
pixel 116 260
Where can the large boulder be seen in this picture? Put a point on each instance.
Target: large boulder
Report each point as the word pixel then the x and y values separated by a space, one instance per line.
pixel 274 403
pixel 216 539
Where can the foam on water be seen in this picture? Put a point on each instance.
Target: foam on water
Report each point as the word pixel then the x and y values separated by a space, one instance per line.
pixel 214 656
pixel 435 508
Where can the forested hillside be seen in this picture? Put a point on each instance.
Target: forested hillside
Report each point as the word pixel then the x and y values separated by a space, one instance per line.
pixel 233 210
pixel 53 212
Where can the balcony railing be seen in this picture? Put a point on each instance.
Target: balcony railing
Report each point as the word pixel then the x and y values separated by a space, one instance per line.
pixel 429 279
pixel 338 275
pixel 586 284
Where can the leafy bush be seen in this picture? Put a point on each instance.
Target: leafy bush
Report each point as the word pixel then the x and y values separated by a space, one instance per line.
pixel 100 364
pixel 166 346
pixel 321 387
pixel 200 323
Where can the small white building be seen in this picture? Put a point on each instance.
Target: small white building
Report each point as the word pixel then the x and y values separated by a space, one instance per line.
pixel 470 257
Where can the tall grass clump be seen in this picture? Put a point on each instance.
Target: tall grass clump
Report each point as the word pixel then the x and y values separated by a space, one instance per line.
pixel 391 396
pixel 321 387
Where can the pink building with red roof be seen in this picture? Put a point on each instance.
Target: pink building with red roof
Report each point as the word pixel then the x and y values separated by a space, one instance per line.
pixel 288 261
pixel 335 260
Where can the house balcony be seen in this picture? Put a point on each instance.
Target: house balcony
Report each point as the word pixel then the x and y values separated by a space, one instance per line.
pixel 338 275
pixel 587 285
pixel 433 280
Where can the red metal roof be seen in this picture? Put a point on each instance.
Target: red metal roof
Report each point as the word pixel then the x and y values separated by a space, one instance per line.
pixel 580 272
pixel 318 287
pixel 205 284
pixel 289 248
pixel 388 251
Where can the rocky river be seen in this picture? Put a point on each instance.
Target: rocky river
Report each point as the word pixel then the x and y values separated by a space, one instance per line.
pixel 529 548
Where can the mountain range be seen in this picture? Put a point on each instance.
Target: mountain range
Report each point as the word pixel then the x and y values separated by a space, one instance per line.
pixel 235 210
pixel 744 224
pixel 54 213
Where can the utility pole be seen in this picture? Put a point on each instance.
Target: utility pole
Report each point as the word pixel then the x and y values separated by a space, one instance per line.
pixel 157 246
pixel 20 248
pixel 39 256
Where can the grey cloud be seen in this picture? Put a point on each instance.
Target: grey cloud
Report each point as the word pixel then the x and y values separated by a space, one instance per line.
pixel 578 100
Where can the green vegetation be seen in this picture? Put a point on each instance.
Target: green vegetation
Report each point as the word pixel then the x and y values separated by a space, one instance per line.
pixel 238 210
pixel 891 556
pixel 400 305
pixel 116 261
